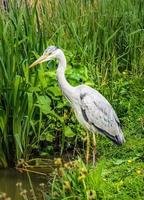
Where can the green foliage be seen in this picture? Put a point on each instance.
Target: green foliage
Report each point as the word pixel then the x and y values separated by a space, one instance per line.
pixel 104 45
pixel 103 42
pixel 116 179
pixel 76 181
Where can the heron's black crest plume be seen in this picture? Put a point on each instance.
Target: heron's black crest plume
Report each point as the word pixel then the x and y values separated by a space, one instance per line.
pixel 50 49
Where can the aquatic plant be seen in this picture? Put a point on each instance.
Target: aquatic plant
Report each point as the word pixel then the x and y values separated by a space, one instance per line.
pixel 106 52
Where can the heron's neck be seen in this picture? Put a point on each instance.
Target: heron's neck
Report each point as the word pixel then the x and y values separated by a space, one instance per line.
pixel 66 88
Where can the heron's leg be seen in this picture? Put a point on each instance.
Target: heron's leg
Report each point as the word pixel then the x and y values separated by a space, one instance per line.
pixel 87 148
pixel 94 149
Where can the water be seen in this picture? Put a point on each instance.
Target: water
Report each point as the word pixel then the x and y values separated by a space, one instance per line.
pixel 9 178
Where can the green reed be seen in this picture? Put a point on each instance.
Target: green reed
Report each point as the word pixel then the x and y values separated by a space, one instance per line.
pixel 107 37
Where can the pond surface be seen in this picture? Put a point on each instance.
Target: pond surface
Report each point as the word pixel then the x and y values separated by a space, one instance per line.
pixel 9 177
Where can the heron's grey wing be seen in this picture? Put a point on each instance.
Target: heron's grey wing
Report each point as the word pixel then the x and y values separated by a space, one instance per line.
pixel 98 112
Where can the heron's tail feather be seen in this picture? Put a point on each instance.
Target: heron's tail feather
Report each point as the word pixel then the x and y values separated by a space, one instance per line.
pixel 119 138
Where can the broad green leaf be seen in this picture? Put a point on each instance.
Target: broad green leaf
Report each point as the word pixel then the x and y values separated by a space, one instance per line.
pixel 42 78
pixel 118 161
pixel 68 132
pixel 34 89
pixel 55 91
pixel 49 137
pixel 43 103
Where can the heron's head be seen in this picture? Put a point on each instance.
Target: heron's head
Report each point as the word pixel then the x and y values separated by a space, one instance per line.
pixel 50 53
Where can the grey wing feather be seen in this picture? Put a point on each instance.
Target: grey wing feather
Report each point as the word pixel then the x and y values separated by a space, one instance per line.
pixel 99 112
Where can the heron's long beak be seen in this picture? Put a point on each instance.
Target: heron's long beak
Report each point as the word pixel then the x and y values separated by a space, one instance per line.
pixel 39 60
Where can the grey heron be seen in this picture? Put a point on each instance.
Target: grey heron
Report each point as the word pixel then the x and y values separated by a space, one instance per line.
pixel 92 109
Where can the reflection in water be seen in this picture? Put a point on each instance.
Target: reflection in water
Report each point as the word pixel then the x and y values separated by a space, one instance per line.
pixel 9 178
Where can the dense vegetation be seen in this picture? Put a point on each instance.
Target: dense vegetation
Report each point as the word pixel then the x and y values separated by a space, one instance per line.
pixel 104 46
